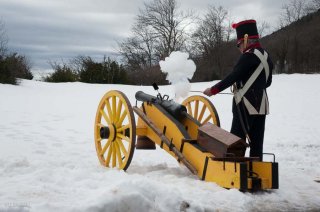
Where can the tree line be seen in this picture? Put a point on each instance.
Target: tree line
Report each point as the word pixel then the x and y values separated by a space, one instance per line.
pixel 12 65
pixel 295 48
pixel 85 69
pixel 162 27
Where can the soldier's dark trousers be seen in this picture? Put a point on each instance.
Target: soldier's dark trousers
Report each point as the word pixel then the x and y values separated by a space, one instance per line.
pixel 256 125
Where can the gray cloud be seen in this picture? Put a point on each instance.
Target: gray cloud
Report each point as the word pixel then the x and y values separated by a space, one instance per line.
pixel 47 30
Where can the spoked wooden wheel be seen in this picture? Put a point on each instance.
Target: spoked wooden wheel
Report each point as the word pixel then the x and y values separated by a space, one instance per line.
pixel 115 130
pixel 201 109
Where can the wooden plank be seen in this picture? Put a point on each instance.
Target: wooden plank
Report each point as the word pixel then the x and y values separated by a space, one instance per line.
pixel 164 139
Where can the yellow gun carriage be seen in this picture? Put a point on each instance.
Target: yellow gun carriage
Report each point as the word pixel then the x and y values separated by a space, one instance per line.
pixel 190 132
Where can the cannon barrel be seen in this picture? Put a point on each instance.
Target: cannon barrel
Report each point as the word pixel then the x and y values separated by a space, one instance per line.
pixel 178 111
pixel 144 97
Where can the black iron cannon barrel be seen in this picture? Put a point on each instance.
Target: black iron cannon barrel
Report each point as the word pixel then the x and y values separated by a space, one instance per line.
pixel 144 97
pixel 176 110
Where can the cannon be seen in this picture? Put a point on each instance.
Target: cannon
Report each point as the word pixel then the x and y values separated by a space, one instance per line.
pixel 190 132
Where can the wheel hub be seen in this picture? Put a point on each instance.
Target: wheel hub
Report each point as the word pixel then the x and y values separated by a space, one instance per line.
pixel 104 132
pixel 108 132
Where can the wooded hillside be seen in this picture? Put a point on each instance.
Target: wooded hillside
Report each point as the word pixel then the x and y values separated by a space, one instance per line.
pixel 296 48
pixel 293 49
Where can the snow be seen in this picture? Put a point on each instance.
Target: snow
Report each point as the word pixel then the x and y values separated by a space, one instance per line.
pixel 48 160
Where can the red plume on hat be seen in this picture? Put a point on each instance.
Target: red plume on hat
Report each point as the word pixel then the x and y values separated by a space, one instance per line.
pixel 246 27
pixel 234 25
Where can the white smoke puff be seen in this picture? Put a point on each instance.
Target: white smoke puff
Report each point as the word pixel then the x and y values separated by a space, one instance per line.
pixel 179 69
pixel 182 89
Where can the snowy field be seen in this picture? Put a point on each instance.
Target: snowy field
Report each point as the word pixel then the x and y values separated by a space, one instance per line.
pixel 48 160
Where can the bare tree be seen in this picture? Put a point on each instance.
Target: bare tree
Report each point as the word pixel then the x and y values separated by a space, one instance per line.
pixel 228 29
pixel 132 52
pixel 3 39
pixel 147 46
pixel 293 11
pixel 166 23
pixel 313 6
pixel 139 50
pixel 316 4
pixel 214 29
pixel 263 26
pixel 160 28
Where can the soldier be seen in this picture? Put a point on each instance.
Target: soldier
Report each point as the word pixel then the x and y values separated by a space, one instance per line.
pixel 250 77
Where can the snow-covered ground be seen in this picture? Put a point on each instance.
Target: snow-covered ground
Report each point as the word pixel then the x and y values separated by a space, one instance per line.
pixel 48 160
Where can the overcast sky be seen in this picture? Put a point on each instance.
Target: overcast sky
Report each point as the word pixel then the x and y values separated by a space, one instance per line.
pixel 51 30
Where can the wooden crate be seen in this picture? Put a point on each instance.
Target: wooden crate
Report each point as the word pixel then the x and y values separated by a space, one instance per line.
pixel 220 142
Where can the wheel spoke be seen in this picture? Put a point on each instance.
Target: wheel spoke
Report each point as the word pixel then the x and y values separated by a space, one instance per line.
pixel 100 125
pixel 114 110
pixel 109 110
pixel 123 128
pixel 123 137
pixel 204 107
pixel 119 108
pixel 108 156
pixel 206 120
pixel 118 154
pixel 114 152
pixel 122 148
pixel 196 109
pixel 123 116
pixel 105 117
pixel 105 147
pixel 189 109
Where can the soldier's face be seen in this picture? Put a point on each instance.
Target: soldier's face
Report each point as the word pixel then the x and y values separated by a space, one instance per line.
pixel 240 46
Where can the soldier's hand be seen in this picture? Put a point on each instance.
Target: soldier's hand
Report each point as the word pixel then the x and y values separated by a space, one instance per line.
pixel 207 92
